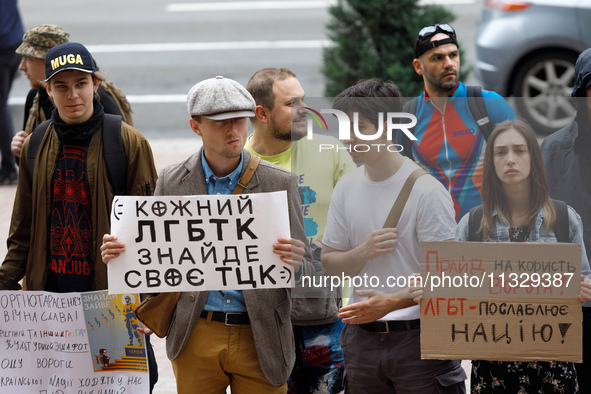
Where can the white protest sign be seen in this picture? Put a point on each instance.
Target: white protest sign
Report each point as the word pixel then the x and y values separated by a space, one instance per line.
pixel 194 243
pixel 72 343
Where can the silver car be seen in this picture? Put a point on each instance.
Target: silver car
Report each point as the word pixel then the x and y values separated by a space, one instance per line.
pixel 528 49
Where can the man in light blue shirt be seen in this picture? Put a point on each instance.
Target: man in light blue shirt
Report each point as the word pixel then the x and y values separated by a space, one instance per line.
pixel 242 339
pixel 224 300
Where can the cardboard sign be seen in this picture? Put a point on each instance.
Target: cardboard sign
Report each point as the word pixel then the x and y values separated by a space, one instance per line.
pixel 195 243
pixel 501 301
pixel 501 329
pixel 73 343
pixel 500 269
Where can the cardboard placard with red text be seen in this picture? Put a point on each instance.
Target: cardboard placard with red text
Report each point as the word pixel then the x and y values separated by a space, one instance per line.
pixel 511 312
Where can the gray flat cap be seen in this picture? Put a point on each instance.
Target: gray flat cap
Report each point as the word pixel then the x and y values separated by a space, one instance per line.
pixel 220 98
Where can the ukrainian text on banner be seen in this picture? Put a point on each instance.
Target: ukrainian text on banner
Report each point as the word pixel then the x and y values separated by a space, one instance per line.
pixel 205 242
pixel 71 343
pixel 501 301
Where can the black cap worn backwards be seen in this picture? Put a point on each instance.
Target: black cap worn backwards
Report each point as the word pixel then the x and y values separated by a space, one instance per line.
pixel 423 41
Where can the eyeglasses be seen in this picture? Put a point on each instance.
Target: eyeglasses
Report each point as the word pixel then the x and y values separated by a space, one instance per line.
pixel 440 27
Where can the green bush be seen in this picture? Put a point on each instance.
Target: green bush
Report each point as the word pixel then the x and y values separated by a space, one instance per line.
pixel 375 39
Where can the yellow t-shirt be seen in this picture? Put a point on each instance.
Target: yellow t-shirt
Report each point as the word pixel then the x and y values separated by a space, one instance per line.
pixel 317 173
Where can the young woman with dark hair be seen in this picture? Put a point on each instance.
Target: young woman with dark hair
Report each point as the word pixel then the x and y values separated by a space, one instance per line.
pixel 517 208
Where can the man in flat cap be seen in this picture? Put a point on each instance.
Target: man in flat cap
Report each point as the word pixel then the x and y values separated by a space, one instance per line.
pixel 36 42
pixel 241 339
pixel 63 200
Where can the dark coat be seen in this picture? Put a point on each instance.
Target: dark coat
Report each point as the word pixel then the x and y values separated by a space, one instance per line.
pixel 567 153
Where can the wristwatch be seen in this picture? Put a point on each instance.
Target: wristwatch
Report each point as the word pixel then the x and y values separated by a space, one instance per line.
pixel 316 251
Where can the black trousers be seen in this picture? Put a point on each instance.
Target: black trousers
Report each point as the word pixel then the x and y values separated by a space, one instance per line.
pixel 9 62
pixel 152 365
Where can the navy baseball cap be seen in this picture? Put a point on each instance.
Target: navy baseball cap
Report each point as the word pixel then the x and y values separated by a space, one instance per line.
pixel 68 56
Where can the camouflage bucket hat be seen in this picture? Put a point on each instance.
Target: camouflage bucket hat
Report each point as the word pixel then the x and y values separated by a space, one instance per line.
pixel 40 39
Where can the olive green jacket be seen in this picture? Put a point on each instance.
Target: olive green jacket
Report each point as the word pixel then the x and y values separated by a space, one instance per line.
pixel 28 237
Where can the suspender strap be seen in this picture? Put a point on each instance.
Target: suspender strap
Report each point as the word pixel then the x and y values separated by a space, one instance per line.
pixel 398 207
pixel 248 173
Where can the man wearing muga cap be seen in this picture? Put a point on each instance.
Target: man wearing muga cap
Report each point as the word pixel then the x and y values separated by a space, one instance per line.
pixel 37 41
pixel 63 199
pixel 241 339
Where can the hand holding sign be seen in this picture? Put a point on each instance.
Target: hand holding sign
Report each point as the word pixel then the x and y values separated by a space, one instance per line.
pixel 291 251
pixel 585 293
pixel 204 242
pixel 111 248
pixel 416 288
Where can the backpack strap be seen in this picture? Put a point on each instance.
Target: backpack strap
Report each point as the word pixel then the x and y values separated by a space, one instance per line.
pixel 478 110
pixel 114 154
pixel 34 144
pixel 398 207
pixel 474 222
pixel 411 108
pixel 253 163
pixel 561 225
pixel 111 92
pixel 36 113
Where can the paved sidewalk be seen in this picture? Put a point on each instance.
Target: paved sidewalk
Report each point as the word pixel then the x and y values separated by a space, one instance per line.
pixel 166 383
